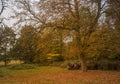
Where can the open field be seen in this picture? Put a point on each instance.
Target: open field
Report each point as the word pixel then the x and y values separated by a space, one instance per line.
pixel 56 75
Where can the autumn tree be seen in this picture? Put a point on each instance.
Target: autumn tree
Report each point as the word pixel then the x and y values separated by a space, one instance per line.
pixel 25 45
pixel 49 46
pixel 81 17
pixel 112 21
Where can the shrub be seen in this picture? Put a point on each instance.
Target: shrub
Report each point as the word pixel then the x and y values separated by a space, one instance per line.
pixel 104 65
pixel 23 67
pixel 74 66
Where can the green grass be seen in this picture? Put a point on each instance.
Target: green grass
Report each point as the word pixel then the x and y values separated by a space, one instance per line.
pixel 11 70
pixel 5 72
pixel 25 71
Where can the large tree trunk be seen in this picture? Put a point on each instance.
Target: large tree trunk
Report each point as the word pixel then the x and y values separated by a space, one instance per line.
pixel 83 66
pixel 83 63
pixel 80 48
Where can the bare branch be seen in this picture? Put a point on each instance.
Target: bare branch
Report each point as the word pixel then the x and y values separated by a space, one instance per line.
pixel 99 8
pixel 2 7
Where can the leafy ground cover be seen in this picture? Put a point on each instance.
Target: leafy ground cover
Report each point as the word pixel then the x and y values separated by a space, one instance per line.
pixel 55 75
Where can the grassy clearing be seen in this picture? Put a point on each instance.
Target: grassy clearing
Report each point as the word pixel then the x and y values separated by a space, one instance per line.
pixel 32 74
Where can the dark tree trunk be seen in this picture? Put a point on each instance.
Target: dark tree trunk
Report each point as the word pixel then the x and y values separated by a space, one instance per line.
pixel 5 62
pixel 83 63
pixel 81 52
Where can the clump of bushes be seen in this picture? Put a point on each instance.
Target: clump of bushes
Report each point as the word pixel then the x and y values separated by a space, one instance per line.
pixel 73 66
pixel 103 65
pixel 23 67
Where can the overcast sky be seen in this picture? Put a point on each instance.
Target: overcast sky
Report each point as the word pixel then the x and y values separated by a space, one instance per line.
pixel 7 13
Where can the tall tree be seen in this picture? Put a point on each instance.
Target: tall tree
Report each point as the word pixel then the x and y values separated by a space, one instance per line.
pixel 7 40
pixel 49 46
pixel 25 45
pixel 79 16
pixel 113 23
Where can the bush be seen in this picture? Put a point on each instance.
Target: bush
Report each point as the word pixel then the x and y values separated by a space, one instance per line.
pixel 23 67
pixel 74 66
pixel 103 65
pixel 71 64
pixel 64 64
